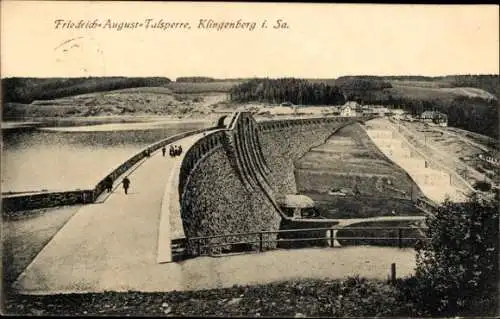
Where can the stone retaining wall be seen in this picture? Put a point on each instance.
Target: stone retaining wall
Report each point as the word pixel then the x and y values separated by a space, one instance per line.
pixel 45 200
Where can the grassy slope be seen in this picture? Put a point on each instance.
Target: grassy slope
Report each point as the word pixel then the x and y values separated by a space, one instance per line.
pixel 134 101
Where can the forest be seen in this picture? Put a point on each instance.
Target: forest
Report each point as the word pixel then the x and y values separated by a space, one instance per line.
pixel 296 91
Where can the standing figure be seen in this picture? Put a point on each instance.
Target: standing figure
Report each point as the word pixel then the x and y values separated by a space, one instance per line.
pixel 109 184
pixel 126 184
pixel 163 150
pixel 172 151
pixel 180 150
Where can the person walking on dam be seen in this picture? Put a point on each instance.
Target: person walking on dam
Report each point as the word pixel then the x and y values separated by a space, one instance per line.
pixel 109 184
pixel 126 184
pixel 164 150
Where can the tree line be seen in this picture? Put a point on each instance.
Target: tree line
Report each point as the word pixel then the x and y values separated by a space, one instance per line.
pixel 296 91
pixel 26 90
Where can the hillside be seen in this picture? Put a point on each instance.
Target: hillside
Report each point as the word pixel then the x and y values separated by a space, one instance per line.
pixel 134 101
pixel 26 90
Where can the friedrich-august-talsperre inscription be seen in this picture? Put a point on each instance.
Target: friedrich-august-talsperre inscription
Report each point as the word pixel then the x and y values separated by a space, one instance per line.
pixel 162 24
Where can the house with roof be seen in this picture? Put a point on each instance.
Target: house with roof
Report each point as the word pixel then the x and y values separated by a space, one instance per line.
pixel 434 117
pixel 399 114
pixel 349 109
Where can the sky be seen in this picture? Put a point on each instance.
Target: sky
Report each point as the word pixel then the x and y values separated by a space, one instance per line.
pixel 321 41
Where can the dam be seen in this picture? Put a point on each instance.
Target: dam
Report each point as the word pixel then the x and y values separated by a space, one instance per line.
pixel 233 178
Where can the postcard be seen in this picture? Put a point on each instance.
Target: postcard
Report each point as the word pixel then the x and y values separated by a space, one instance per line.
pixel 234 159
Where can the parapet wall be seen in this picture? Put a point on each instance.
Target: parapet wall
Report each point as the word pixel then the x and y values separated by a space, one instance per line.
pixel 43 200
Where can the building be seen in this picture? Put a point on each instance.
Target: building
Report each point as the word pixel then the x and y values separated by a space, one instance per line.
pixel 399 114
pixel 294 205
pixel 349 109
pixel 434 117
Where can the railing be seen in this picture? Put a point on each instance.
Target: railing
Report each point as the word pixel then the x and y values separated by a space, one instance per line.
pixel 124 167
pixel 268 240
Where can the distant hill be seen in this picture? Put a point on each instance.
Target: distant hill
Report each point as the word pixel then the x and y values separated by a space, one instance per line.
pixel 487 82
pixel 470 101
pixel 26 90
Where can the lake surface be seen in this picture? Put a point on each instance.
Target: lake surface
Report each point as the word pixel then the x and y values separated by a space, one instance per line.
pixel 75 155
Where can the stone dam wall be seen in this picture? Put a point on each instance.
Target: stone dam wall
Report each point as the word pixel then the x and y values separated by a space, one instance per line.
pixel 284 142
pixel 230 180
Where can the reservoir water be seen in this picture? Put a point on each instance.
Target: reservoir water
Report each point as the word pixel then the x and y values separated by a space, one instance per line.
pixel 74 155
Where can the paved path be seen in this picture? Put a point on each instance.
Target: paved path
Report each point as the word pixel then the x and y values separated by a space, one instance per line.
pixel 222 272
pixel 108 243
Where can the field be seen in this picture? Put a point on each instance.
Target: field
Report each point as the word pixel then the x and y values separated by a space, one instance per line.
pixel 202 87
pixel 419 92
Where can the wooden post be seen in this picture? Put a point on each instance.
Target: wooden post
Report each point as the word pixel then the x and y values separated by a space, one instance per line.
pixel 393 273
pixel 400 233
pixel 331 238
pixel 260 242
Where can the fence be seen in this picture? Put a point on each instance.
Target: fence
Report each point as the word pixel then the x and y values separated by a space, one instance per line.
pixel 291 238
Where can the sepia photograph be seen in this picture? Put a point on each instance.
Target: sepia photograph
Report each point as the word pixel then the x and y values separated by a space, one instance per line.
pixel 237 159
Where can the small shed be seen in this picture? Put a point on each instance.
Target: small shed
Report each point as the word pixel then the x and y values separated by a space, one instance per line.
pixel 295 203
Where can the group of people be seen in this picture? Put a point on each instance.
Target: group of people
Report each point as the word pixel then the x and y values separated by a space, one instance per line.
pixel 175 150
pixel 108 184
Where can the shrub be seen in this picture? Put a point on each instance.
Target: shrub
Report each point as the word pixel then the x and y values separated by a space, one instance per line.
pixel 457 267
pixel 482 186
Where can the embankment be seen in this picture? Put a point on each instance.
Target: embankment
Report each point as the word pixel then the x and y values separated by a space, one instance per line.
pixel 349 159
